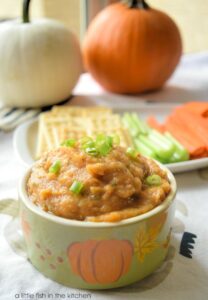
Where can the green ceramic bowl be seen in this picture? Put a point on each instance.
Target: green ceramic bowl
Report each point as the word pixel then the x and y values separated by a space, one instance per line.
pixel 91 255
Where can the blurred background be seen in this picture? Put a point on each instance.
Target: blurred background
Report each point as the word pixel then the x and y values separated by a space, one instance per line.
pixel 190 15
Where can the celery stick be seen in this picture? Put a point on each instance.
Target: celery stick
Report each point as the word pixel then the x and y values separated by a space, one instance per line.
pixel 167 147
pixel 163 160
pixel 147 151
pixel 143 149
pixel 159 149
pixel 180 148
pixel 143 127
pixel 162 138
pixel 176 157
pixel 174 141
pixel 130 125
pixel 179 154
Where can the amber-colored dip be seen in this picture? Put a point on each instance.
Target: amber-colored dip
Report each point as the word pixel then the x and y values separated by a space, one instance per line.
pixel 114 186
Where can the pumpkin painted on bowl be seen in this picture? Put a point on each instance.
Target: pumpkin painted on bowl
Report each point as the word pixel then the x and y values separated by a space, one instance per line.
pixel 102 261
pixel 132 49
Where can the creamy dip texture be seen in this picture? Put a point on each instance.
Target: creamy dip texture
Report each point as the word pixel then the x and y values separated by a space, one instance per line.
pixel 75 183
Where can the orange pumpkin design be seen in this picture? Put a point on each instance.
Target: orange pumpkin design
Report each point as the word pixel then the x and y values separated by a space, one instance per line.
pixel 102 261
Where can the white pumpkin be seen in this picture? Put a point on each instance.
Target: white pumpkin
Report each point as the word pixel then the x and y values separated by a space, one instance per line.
pixel 40 62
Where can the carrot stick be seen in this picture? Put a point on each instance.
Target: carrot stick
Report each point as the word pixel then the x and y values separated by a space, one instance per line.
pixel 192 143
pixel 198 108
pixel 195 117
pixel 194 123
pixel 153 123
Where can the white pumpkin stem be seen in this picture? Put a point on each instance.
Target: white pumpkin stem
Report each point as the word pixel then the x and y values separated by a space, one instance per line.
pixel 139 4
pixel 26 12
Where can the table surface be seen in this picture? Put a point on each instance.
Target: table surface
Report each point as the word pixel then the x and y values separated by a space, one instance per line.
pixel 184 274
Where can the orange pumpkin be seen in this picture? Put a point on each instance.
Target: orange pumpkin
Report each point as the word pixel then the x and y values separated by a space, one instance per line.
pixel 132 49
pixel 100 261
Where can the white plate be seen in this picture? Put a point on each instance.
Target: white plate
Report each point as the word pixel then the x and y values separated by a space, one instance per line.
pixel 25 136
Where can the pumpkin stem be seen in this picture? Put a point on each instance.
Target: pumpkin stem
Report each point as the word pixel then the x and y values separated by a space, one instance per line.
pixel 25 12
pixel 139 4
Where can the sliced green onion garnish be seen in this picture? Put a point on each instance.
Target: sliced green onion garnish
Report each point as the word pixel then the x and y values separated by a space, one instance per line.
pixel 55 167
pixel 69 143
pixel 102 144
pixel 76 187
pixel 132 152
pixel 100 138
pixel 104 149
pixel 91 151
pixel 153 180
pixel 109 140
pixel 89 144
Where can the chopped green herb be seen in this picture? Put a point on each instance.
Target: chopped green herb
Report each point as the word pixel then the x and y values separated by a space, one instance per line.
pixel 91 151
pixel 102 145
pixel 69 143
pixel 153 180
pixel 132 152
pixel 100 138
pixel 109 141
pixel 76 187
pixel 89 144
pixel 104 148
pixel 55 167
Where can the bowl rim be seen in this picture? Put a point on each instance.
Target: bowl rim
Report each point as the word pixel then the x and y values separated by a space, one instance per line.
pixel 89 224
